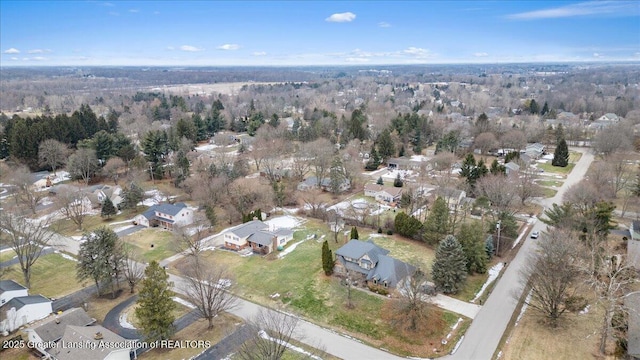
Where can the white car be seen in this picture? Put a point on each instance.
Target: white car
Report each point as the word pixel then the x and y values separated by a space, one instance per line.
pixel 535 234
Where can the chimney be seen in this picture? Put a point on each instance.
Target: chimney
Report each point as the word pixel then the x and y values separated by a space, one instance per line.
pixel 98 336
pixel 57 320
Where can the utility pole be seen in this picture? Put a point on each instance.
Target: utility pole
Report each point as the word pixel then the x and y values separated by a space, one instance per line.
pixel 498 243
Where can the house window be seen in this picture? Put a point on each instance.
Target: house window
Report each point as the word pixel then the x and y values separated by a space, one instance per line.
pixel 375 281
pixel 385 284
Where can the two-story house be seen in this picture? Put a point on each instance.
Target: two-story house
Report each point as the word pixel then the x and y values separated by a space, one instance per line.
pixel 367 262
pixel 168 216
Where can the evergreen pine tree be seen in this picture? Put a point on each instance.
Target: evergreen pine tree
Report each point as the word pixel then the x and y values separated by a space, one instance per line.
pixel 488 247
pixel 636 187
pixel 380 181
pixel 131 196
pixel 354 233
pixel 449 269
pixel 327 259
pixel 386 148
pixel 398 182
pixel 545 109
pixel 108 209
pixel 474 248
pixel 155 304
pixel 437 224
pixel 561 155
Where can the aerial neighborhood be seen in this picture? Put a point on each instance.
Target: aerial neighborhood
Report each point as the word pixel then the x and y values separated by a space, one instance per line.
pixel 364 210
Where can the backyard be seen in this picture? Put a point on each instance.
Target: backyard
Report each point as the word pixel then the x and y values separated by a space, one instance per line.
pixel 152 244
pixel 52 275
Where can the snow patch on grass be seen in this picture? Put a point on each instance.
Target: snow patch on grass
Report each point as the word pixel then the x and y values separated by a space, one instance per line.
pixel 493 274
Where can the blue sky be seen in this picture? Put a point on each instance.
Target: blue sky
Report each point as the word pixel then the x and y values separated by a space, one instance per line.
pixel 212 33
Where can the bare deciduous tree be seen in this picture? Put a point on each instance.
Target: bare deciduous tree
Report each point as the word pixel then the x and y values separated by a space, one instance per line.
pixel 485 142
pixel 189 240
pixel 83 164
pixel 74 205
pixel 552 273
pixel 208 290
pixel 112 168
pixel 27 194
pixel 500 190
pixel 53 154
pixel 133 270
pixel 26 238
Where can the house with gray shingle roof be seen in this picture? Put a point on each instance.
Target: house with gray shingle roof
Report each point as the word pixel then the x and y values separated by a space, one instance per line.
pixel 370 263
pixel 256 235
pixel 10 289
pixel 632 305
pixel 168 216
pixel 98 343
pixel 50 330
pixel 22 310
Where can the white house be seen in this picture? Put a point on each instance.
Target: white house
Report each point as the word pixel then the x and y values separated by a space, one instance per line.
pixel 47 332
pixel 168 216
pixel 10 289
pixel 256 234
pixel 383 193
pixel 22 310
pixel 98 343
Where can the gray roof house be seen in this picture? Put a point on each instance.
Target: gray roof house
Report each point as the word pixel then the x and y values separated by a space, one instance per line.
pixel 166 215
pixel 256 235
pixel 512 167
pixel 52 328
pixel 10 289
pixel 632 303
pixel 325 184
pixel 633 244
pixel 91 337
pixel 371 263
pixel 22 310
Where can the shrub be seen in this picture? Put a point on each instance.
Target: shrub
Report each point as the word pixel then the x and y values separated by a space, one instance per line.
pixel 379 230
pixel 575 303
pixel 389 232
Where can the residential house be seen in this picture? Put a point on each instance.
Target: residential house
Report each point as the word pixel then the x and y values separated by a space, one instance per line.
pixel 367 262
pixel 453 197
pixel 604 121
pixel 21 310
pixel 256 235
pixel 97 343
pixel 10 289
pixel 610 117
pixel 512 168
pixel 93 196
pixel 383 193
pixel 632 304
pixel 168 216
pixel 535 150
pixel 325 184
pixel 49 331
pixel 633 244
pixel 404 164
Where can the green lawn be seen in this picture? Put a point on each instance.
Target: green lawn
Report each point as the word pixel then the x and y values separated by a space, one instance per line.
pixel 304 288
pixel 69 228
pixel 162 240
pixel 52 276
pixel 547 167
pixel 548 192
pixel 474 284
pixel 550 183
pixel 7 255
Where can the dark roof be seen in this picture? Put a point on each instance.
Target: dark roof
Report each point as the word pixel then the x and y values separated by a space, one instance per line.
pixel 632 303
pixel 355 249
pixel 53 327
pixel 150 214
pixel 390 270
pixel 86 335
pixel 249 228
pixel 10 285
pixel 20 301
pixel 170 209
pixel 264 238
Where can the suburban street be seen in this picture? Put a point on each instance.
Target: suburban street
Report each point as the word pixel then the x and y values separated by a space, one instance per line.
pixel 483 336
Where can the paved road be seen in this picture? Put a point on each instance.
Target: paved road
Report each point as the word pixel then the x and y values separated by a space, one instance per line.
pixel 483 336
pixel 15 260
pixel 130 230
pixel 229 344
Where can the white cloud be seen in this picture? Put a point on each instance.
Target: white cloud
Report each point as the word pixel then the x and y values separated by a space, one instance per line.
pixel 12 51
pixel 619 8
pixel 189 48
pixel 597 55
pixel 134 11
pixel 420 52
pixel 259 53
pixel 108 4
pixel 14 58
pixel 39 51
pixel 356 60
pixel 229 47
pixel 341 17
pixel 39 58
pixel 384 24
pixel 480 54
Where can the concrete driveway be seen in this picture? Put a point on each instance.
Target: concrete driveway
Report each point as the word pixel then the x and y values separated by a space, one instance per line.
pixel 130 230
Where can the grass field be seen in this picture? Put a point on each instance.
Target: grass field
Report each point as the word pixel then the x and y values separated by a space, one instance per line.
pixel 304 288
pixel 7 255
pixel 474 284
pixel 162 241
pixel 550 183
pixel 69 228
pixel 573 158
pixel 52 276
pixel 575 338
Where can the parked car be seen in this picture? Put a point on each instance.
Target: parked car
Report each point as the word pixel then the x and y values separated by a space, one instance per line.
pixel 535 234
